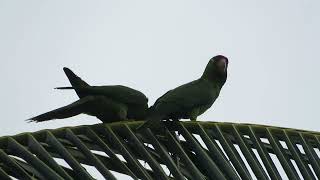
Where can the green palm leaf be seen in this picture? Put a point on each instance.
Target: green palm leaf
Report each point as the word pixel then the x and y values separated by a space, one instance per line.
pixel 192 150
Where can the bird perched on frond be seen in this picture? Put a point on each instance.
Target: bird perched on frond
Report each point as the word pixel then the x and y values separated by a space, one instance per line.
pixel 192 99
pixel 107 103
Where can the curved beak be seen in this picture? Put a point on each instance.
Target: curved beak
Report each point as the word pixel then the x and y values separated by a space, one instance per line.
pixel 222 64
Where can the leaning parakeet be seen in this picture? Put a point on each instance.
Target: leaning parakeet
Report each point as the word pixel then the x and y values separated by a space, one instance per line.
pixel 107 103
pixel 192 99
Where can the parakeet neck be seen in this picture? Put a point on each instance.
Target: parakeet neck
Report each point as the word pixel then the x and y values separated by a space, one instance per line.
pixel 214 76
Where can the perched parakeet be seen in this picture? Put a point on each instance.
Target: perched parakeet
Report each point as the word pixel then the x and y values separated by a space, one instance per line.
pixel 192 99
pixel 107 103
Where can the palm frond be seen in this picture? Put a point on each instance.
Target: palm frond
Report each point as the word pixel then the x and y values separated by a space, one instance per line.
pixel 184 150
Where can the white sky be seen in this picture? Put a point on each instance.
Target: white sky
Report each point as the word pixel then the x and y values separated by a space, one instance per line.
pixel 154 46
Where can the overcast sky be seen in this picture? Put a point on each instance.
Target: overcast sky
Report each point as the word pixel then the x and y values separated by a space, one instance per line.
pixel 154 46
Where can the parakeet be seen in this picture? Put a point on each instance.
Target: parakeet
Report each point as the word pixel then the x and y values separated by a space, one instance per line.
pixel 192 99
pixel 107 103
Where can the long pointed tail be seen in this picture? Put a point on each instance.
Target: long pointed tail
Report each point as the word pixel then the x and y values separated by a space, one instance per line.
pixel 67 111
pixel 150 123
pixel 153 120
pixel 76 82
pixel 64 88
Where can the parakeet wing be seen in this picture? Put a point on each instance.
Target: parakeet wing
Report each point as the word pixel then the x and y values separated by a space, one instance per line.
pixel 118 93
pixel 187 96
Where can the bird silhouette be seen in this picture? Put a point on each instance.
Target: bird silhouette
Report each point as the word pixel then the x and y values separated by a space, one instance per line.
pixel 108 103
pixel 190 100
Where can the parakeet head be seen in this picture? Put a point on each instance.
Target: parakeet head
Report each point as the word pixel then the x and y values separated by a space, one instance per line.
pixel 216 69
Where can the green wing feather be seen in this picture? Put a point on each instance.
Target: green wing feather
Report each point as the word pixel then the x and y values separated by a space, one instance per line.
pixel 118 93
pixel 192 95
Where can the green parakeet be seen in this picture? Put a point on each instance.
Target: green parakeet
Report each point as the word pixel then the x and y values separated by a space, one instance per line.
pixel 107 103
pixel 192 99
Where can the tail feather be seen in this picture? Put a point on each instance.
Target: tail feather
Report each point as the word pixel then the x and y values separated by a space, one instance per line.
pixel 67 111
pixel 64 88
pixel 75 81
pixel 155 115
pixel 151 122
